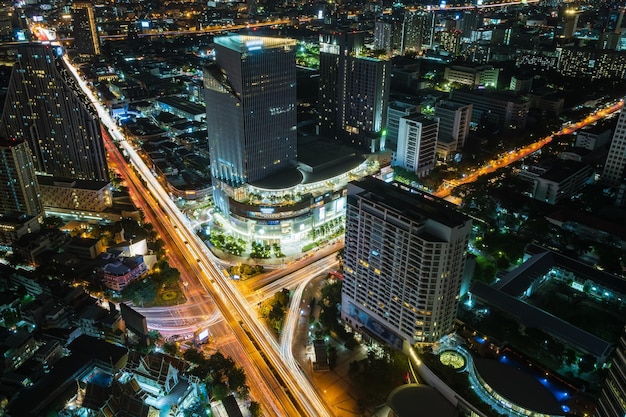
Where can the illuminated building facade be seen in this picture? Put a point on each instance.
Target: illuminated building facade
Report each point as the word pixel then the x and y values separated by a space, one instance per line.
pixel 593 64
pixel 259 188
pixel 404 263
pixel 46 108
pixel 417 141
pixel 419 30
pixel 19 190
pixel 251 108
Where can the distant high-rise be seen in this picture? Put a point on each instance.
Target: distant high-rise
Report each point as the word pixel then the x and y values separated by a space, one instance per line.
pixel 615 166
pixel 417 142
pixel 46 108
pixel 613 396
pixel 250 95
pixel 404 263
pixel 454 126
pixel 354 96
pixel 419 30
pixel 86 39
pixel 19 190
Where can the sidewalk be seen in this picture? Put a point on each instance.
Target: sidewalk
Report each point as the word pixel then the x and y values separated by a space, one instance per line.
pixel 335 386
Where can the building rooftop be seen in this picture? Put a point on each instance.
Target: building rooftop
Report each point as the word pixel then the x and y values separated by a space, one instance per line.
pixel 534 317
pixel 285 178
pixel 182 104
pixel 72 183
pixel 247 43
pixel 15 218
pixel 414 400
pixel 517 386
pixel 563 170
pixel 416 205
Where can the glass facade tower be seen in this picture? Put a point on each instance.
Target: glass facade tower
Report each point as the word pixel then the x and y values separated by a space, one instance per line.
pixel 250 94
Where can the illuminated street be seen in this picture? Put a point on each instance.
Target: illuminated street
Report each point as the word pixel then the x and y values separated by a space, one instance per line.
pixel 514 156
pixel 299 391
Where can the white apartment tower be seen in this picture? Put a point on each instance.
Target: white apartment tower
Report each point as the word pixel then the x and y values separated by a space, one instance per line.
pixel 404 263
pixel 614 168
pixel 397 110
pixel 417 142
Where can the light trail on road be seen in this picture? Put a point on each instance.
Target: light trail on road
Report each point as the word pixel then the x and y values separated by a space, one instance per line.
pixel 299 392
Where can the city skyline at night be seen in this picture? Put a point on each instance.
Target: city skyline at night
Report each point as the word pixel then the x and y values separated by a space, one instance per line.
pixel 307 209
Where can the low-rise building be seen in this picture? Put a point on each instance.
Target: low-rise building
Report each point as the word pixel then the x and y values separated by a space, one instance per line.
pixel 85 248
pixel 15 348
pixel 69 196
pixel 562 181
pixel 500 109
pixel 593 137
pixel 484 75
pixel 15 225
pixel 118 274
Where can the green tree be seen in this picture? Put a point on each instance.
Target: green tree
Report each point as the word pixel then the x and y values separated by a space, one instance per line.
pixel 194 356
pixel 587 363
pixel 255 409
pixel 170 348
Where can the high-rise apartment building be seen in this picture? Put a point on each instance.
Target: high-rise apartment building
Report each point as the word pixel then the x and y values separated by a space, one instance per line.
pixel 454 126
pixel 404 263
pixel 250 95
pixel 354 95
pixel 613 396
pixel 417 143
pixel 615 166
pixel 419 30
pixel 19 190
pixel 46 108
pixel 397 109
pixel 389 33
pixel 86 39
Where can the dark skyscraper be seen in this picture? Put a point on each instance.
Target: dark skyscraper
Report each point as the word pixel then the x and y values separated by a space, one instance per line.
pixel 19 191
pixel 48 110
pixel 354 95
pixel 251 108
pixel 86 40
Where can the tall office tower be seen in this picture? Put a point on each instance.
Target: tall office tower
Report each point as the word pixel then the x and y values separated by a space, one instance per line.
pixel 354 95
pixel 612 400
pixel 454 125
pixel 250 95
pixel 397 109
pixel 404 263
pixel 19 190
pixel 86 39
pixel 417 143
pixel 46 108
pixel 615 166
